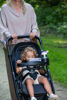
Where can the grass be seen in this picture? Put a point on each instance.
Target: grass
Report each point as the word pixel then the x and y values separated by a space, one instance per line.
pixel 57 47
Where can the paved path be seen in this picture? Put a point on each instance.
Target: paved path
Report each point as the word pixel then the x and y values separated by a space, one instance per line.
pixel 61 92
pixel 4 87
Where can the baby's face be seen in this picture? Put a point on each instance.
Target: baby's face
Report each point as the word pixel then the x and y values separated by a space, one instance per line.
pixel 29 55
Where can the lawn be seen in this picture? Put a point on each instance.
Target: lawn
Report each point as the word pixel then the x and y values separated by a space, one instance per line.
pixel 57 47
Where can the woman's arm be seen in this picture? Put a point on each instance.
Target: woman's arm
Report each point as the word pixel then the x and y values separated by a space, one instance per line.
pixel 34 28
pixel 3 23
pixel 4 33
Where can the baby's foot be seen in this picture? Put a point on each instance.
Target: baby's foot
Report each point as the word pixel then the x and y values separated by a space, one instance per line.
pixel 33 98
pixel 53 97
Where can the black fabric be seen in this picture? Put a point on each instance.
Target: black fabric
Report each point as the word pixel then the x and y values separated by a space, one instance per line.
pixel 38 89
pixel 23 77
pixel 34 75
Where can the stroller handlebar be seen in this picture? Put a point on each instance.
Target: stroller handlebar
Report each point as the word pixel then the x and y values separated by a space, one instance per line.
pixel 20 37
pixel 23 36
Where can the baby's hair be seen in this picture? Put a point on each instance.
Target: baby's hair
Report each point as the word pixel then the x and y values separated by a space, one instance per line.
pixel 27 49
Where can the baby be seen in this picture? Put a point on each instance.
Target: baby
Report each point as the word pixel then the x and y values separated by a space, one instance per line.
pixel 29 53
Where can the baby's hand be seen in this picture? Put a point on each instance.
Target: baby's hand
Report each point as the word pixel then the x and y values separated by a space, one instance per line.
pixel 18 69
pixel 18 61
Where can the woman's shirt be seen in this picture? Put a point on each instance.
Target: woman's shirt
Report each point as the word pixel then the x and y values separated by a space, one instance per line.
pixel 12 22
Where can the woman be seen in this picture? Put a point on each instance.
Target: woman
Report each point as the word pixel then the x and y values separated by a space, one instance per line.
pixel 17 18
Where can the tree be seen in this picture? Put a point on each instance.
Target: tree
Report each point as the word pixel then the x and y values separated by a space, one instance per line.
pixel 53 2
pixel 1 2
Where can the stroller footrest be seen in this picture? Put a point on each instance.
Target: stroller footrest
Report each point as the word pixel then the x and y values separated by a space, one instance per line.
pixel 38 89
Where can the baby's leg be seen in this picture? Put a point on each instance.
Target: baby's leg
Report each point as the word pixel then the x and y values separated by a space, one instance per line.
pixel 29 83
pixel 43 80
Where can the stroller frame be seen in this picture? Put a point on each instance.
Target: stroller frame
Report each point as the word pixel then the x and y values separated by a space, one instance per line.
pixel 21 90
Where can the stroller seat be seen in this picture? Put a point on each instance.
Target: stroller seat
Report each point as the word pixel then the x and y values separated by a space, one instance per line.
pixel 38 88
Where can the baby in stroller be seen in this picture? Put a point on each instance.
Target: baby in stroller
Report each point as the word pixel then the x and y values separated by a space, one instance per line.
pixel 36 78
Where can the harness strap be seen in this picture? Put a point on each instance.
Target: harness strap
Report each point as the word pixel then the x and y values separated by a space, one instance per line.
pixel 20 76
pixel 33 75
pixel 25 76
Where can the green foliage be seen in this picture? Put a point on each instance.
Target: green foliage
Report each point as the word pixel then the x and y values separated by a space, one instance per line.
pixel 53 2
pixel 48 29
pixel 62 29
pixel 54 15
pixel 52 18
pixel 1 2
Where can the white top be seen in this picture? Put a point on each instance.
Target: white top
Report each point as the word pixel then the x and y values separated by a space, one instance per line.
pixel 12 22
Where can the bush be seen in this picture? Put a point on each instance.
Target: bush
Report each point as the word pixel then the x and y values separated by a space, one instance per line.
pixel 48 29
pixel 53 2
pixel 52 18
pixel 53 29
pixel 62 29
pixel 1 2
pixel 54 15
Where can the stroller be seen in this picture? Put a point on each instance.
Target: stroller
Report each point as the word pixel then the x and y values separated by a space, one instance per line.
pixel 42 60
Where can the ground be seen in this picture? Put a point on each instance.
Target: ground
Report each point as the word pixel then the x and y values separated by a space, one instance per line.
pixel 4 86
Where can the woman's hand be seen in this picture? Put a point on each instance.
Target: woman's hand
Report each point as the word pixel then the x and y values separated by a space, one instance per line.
pixel 32 35
pixel 14 36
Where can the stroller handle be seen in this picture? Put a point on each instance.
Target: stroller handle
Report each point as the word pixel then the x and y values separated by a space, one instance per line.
pixel 24 36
